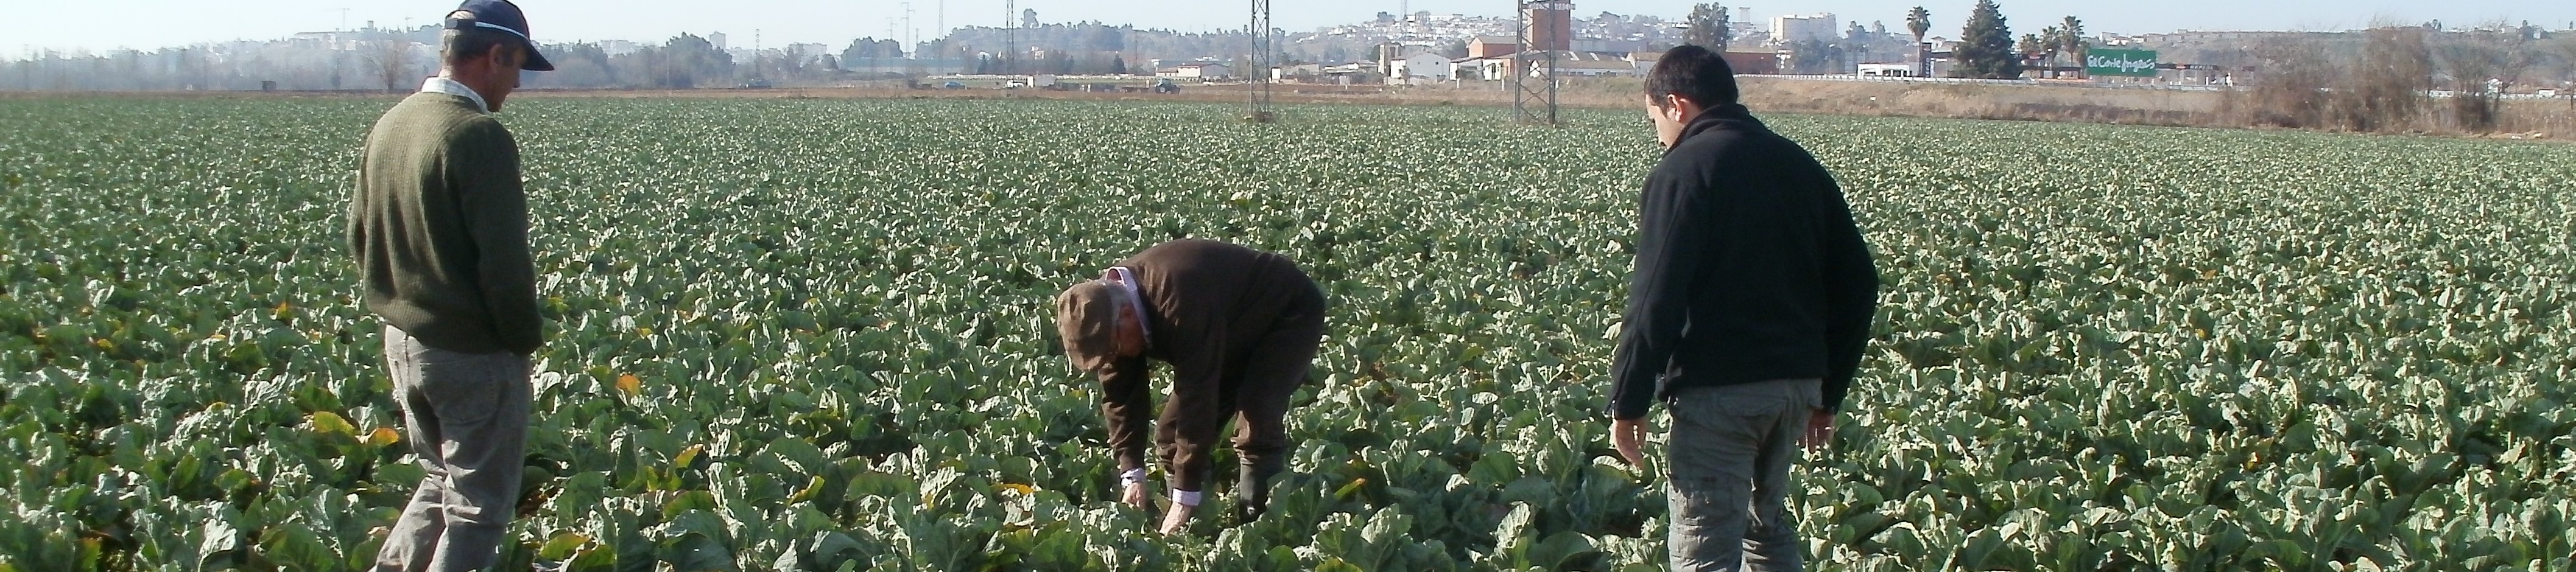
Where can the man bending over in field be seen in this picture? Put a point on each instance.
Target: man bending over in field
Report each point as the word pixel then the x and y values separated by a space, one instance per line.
pixel 1239 327
pixel 1747 315
pixel 439 225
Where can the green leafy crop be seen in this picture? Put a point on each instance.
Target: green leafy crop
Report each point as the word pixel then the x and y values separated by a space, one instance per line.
pixel 812 335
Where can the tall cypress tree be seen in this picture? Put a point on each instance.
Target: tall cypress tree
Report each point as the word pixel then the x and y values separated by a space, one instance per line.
pixel 1708 27
pixel 1986 46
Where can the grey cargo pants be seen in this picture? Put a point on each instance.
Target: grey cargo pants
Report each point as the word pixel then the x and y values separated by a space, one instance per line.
pixel 1731 448
pixel 466 416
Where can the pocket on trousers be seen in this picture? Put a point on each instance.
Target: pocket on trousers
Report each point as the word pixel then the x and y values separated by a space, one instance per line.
pixel 463 388
pixel 1740 401
pixel 1749 405
pixel 1693 501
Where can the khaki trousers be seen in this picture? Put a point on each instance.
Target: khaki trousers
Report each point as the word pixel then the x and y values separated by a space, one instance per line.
pixel 1731 448
pixel 466 416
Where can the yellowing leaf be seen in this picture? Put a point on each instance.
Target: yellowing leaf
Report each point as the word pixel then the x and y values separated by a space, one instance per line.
pixel 561 547
pixel 813 487
pixel 1024 490
pixel 688 455
pixel 326 422
pixel 643 332
pixel 383 436
pixel 630 384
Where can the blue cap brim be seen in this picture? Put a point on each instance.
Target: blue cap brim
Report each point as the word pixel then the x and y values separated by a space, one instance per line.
pixel 536 61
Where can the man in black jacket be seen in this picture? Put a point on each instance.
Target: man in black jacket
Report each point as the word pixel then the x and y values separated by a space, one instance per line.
pixel 1747 315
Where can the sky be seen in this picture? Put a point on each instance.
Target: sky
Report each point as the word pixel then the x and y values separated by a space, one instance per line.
pixel 100 25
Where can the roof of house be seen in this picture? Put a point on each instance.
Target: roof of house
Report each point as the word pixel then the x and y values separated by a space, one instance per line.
pixel 1596 64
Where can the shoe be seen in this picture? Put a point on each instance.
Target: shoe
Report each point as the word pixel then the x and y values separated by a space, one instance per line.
pixel 1252 489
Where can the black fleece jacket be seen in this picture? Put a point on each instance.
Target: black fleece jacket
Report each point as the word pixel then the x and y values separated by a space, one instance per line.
pixel 1749 268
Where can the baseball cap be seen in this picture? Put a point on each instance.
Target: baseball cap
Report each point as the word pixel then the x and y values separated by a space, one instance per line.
pixel 1084 315
pixel 499 15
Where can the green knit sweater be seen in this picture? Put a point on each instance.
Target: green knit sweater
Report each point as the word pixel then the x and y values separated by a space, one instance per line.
pixel 439 225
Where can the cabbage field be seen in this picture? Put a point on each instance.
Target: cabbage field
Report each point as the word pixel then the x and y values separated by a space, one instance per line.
pixel 812 335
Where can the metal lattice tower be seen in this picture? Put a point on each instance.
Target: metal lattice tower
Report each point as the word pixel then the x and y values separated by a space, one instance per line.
pixel 1010 36
pixel 1265 55
pixel 1534 98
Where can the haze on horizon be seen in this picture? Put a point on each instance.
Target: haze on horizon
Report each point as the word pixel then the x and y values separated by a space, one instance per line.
pixel 102 25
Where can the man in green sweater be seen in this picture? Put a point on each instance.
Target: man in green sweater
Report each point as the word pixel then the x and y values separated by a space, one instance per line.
pixel 439 225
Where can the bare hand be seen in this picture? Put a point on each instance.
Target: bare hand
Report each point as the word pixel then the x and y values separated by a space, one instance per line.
pixel 1177 520
pixel 1135 496
pixel 1627 435
pixel 1820 430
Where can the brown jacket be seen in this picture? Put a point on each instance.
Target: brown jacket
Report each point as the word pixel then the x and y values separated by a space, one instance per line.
pixel 1212 307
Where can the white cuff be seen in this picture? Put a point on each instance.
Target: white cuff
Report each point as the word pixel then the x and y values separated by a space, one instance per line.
pixel 1185 498
pixel 1132 476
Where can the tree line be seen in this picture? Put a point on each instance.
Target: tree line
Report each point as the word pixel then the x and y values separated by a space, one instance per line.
pixel 2428 56
pixel 396 60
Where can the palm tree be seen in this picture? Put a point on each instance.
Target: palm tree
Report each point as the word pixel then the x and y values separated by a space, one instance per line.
pixel 2046 41
pixel 2034 44
pixel 1919 21
pixel 2070 39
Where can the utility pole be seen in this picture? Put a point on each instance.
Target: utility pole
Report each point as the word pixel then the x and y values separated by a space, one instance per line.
pixel 911 35
pixel 1534 99
pixel 1010 36
pixel 1265 50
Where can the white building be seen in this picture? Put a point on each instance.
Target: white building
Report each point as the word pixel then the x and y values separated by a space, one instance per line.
pixel 1568 64
pixel 1785 29
pixel 1420 68
pixel 1887 70
pixel 1198 71
pixel 1599 64
pixel 808 53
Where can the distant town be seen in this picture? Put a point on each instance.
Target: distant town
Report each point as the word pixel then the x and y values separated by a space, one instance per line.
pixel 1550 38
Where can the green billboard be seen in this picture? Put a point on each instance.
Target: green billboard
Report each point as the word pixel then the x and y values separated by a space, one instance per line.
pixel 2120 62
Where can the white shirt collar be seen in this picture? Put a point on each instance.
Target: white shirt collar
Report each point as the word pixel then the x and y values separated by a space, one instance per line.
pixel 1126 278
pixel 437 84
